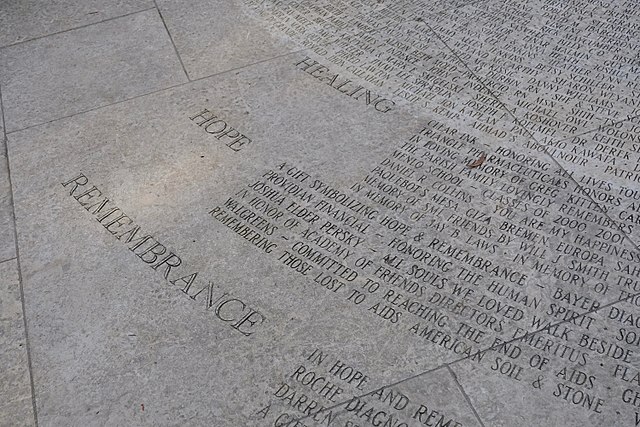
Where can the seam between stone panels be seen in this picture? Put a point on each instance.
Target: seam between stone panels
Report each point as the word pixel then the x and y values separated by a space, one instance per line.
pixel 294 52
pixel 17 258
pixel 412 18
pixel 415 17
pixel 303 49
pixel 462 359
pixel 8 259
pixel 342 411
pixel 545 146
pixel 150 93
pixel 420 18
pixel 175 49
pixel 76 28
pixel 628 119
pixel 96 108
pixel 2 117
pixel 466 396
pixel 613 303
pixel 24 313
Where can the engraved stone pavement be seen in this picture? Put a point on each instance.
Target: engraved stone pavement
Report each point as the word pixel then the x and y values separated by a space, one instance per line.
pixel 348 213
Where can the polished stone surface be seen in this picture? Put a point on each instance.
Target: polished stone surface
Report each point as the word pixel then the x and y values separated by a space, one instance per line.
pixel 346 212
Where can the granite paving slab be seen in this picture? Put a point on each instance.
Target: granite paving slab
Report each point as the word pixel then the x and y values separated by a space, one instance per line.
pixel 561 69
pixel 1 115
pixel 85 68
pixel 581 373
pixel 16 407
pixel 232 194
pixel 28 19
pixel 212 37
pixel 7 231
pixel 606 162
pixel 556 85
pixel 353 221
pixel 434 398
pixel 94 318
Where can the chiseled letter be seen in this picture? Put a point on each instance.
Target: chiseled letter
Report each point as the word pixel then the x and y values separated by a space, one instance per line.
pixel 78 181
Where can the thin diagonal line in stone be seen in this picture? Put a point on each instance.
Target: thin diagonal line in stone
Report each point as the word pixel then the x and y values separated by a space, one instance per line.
pixel 20 281
pixel 462 359
pixel 545 146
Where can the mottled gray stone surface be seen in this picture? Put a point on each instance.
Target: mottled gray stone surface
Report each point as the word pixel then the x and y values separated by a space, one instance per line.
pixel 16 408
pixel 607 163
pixel 368 214
pixel 216 36
pixel 1 119
pixel 27 19
pixel 85 68
pixel 7 232
pixel 535 67
pixel 205 246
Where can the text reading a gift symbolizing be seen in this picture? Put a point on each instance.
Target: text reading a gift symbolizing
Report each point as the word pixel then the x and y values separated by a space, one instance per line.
pixel 216 126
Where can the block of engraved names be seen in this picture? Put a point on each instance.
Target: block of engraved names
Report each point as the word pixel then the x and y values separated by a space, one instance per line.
pixel 606 162
pixel 319 23
pixel 557 70
pixel 282 246
pixel 562 69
